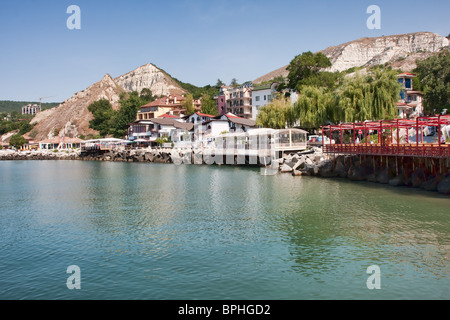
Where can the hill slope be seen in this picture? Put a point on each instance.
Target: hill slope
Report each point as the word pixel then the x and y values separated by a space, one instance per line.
pixel 399 51
pixel 73 115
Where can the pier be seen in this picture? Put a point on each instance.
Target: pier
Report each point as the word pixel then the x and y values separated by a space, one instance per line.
pixel 399 152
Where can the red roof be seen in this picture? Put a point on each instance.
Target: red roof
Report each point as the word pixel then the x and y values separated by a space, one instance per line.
pixel 407 74
pixel 169 116
pixel 232 116
pixel 205 115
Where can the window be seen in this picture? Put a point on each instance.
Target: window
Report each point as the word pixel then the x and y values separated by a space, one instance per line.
pixel 265 98
pixel 269 97
pixel 257 98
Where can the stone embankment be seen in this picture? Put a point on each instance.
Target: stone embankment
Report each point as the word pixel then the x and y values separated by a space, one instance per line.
pixel 140 155
pixel 39 155
pixel 430 175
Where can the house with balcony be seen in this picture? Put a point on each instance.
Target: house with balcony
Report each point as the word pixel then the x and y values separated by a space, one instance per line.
pixel 236 100
pixel 171 105
pixel 410 104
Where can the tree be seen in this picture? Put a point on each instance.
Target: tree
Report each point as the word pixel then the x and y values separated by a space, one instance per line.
pixel 434 76
pixel 315 107
pixel 209 106
pixel 147 95
pixel 104 117
pixel 234 82
pixel 368 97
pixel 276 115
pixel 219 84
pixel 306 65
pixel 188 104
pixel 17 141
pixel 130 103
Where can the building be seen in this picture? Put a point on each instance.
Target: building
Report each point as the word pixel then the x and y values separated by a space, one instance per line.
pixel 198 118
pixel 262 96
pixel 236 100
pixel 171 105
pixel 410 104
pixel 238 124
pixel 31 109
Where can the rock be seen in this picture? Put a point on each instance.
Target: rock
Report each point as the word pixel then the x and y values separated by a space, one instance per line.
pixel 285 168
pixel 397 181
pixel 444 185
pixel 297 173
pixel 382 176
pixel 356 173
pixel 300 164
pixel 432 183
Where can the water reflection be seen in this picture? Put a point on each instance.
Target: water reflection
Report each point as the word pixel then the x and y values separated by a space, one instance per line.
pixel 218 232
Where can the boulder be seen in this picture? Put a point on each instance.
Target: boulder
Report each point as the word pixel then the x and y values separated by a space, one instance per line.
pixel 444 185
pixel 285 168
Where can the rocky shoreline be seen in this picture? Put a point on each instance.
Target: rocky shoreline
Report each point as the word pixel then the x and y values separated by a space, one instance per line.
pixel 411 173
pixel 310 163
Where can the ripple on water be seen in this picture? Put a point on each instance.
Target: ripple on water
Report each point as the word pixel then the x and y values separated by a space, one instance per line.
pixel 147 231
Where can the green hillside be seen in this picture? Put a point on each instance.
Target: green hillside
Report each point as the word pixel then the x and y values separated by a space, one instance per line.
pixel 10 106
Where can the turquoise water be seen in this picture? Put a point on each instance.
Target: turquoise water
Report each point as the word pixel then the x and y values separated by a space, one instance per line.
pixel 158 231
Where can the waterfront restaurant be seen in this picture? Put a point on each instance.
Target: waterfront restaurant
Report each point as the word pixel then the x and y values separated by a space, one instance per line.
pixel 263 142
pixel 60 143
pixel 107 144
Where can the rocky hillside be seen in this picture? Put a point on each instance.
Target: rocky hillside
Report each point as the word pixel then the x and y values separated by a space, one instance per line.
pixel 399 51
pixel 73 116
pixel 149 76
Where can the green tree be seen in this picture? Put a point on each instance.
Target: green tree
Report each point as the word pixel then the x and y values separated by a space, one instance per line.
pixel 372 96
pixel 277 115
pixel 219 84
pixel 188 104
pixel 130 103
pixel 434 76
pixel 234 82
pixel 104 117
pixel 209 105
pixel 147 95
pixel 305 66
pixel 315 107
pixel 17 141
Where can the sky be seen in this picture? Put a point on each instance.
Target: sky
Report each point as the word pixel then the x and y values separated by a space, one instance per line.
pixel 195 41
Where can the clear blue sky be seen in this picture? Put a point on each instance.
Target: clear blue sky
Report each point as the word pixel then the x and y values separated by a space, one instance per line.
pixel 196 41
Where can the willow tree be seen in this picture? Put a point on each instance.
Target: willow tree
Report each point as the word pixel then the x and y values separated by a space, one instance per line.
pixel 315 106
pixel 277 115
pixel 370 96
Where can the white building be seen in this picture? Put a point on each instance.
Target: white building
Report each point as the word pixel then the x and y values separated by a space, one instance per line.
pixel 265 94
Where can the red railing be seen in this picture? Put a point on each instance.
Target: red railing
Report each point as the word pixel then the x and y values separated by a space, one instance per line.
pixel 405 150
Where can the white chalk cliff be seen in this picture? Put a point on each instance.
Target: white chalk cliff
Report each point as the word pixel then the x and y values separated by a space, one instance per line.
pixel 399 51
pixel 149 76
